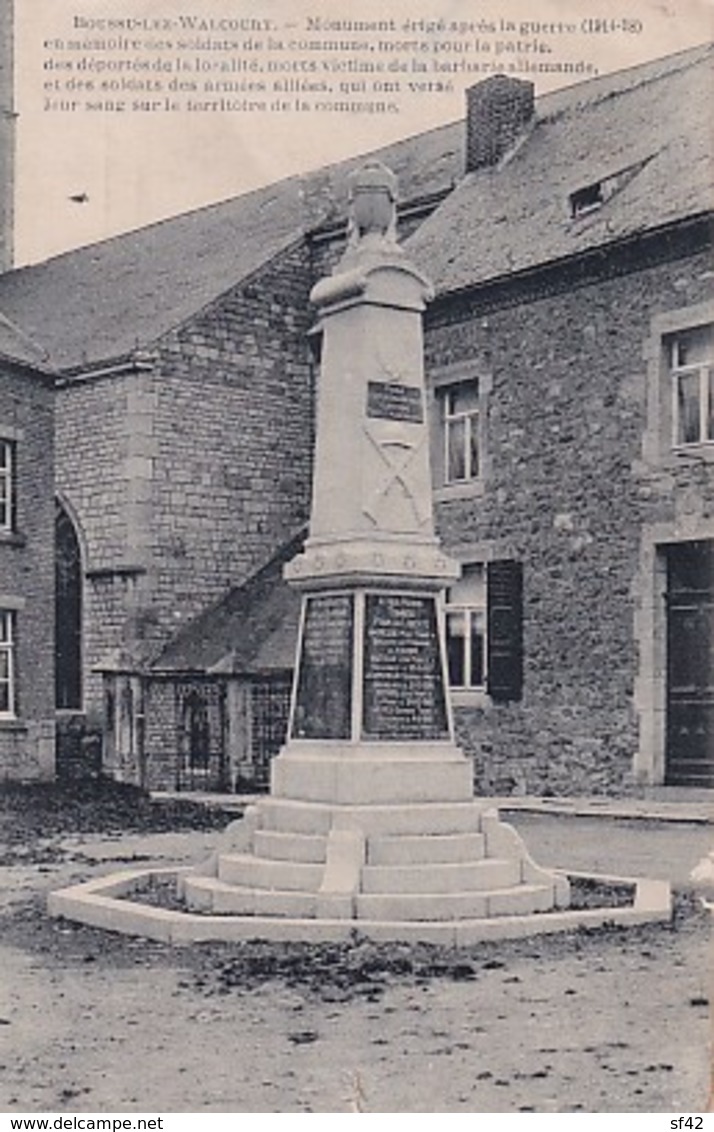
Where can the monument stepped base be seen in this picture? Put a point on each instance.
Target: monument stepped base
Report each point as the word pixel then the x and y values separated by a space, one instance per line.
pixel 444 872
pixel 396 857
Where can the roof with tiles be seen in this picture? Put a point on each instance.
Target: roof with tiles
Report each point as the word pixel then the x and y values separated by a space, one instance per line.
pixel 636 148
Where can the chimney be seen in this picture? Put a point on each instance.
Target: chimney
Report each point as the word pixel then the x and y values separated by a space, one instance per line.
pixel 497 110
pixel 7 135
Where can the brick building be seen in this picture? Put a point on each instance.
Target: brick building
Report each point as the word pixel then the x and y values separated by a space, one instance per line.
pixel 569 355
pixel 27 569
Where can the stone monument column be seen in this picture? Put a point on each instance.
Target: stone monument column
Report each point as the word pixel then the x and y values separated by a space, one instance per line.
pixel 371 818
pixel 370 718
pixel 371 823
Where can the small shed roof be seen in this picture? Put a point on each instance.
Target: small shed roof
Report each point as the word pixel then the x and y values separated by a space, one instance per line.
pixel 251 631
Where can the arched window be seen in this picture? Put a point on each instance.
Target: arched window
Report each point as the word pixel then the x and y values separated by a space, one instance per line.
pixel 68 614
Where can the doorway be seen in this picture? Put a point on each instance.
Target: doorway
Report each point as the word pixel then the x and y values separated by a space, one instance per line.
pixel 689 754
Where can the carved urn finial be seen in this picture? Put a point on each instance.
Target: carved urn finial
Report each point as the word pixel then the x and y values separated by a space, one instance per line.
pixel 373 196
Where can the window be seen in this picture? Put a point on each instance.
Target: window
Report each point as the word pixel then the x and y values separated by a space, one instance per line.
pixel 7 665
pixel 460 414
pixel 459 395
pixel 7 485
pixel 466 629
pixel 484 630
pixel 691 364
pixel 680 388
pixel 68 614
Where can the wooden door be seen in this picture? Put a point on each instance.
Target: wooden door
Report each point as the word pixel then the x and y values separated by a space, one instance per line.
pixel 690 664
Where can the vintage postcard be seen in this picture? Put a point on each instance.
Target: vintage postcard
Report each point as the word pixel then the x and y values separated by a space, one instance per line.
pixel 356 558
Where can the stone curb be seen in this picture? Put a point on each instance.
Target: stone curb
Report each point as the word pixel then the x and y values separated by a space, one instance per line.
pixel 97 903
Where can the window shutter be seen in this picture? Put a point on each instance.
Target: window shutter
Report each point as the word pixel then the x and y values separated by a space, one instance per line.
pixel 505 630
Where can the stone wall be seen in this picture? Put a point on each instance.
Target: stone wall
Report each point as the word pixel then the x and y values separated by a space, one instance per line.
pixel 91 463
pixel 234 436
pixel 27 573
pixel 185 471
pixel 92 440
pixel 160 737
pixel 568 494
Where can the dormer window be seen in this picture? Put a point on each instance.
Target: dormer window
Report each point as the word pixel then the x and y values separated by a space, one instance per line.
pixel 586 200
pixel 597 193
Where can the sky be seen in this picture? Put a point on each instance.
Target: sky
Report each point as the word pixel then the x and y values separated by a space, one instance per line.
pixel 130 169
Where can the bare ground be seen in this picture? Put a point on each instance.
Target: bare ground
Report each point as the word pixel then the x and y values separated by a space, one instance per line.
pixel 603 1021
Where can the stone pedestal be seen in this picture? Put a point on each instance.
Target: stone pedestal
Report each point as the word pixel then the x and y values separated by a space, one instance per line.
pixel 371 815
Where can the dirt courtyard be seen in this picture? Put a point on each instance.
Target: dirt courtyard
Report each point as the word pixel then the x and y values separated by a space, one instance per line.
pixel 603 1021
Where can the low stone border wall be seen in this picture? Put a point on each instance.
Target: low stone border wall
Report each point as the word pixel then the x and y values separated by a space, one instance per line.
pixel 103 903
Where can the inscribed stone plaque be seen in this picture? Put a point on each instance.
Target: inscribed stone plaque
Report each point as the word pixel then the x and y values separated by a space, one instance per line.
pixel 404 695
pixel 323 705
pixel 391 401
